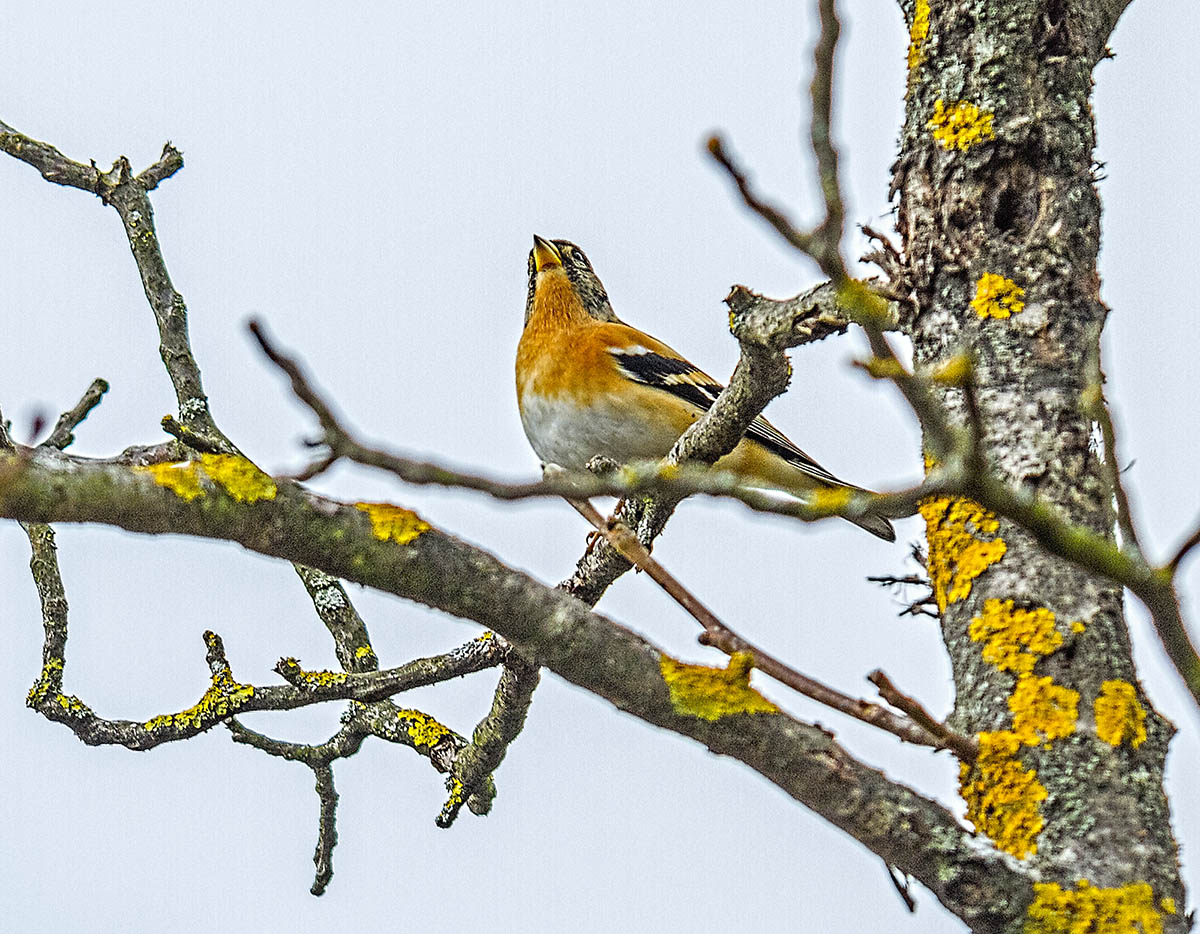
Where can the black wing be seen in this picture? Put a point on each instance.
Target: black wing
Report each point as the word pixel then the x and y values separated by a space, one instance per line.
pixel 681 379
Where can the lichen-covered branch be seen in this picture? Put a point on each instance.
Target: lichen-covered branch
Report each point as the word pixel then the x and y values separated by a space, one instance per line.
pixel 926 731
pixel 198 433
pixel 473 765
pixel 394 550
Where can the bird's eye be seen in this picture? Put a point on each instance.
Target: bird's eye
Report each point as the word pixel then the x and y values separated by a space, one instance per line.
pixel 580 260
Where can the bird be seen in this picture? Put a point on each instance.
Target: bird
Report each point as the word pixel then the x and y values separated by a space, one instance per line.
pixel 588 385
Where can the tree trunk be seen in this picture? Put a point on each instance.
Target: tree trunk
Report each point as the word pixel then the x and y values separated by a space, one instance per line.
pixel 1000 224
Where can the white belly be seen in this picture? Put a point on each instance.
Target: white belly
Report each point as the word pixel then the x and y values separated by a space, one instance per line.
pixel 570 435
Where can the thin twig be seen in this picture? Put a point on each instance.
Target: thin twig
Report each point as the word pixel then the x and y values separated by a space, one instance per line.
pixel 1097 407
pixel 965 748
pixel 62 436
pixel 326 827
pixel 1183 551
pixel 720 636
pixel 903 886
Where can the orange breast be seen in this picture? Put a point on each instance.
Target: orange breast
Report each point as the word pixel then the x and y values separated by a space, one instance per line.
pixel 560 353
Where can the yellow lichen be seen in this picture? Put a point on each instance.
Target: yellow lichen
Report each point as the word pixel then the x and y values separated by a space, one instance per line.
pixel 918 32
pixel 1168 905
pixel 223 697
pixel 1042 710
pixel 1077 627
pixel 238 477
pixel 960 125
pixel 48 682
pixel 392 523
pixel 1016 638
pixel 46 690
pixel 1089 909
pixel 312 679
pixel 180 477
pixel 1119 715
pixel 997 297
pixel 72 704
pixel 956 554
pixel 1003 796
pixel 457 791
pixel 422 729
pixel 364 651
pixel 713 693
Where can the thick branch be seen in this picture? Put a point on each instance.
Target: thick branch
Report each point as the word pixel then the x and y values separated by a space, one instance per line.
pixel 428 566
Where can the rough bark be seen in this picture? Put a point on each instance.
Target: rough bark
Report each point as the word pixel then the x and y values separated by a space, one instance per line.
pixel 1000 224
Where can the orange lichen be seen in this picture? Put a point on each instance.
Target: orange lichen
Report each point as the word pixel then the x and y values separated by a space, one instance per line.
pixel 393 523
pixel 713 693
pixel 1089 909
pixel 957 555
pixel 1042 710
pixel 1003 797
pixel 1119 714
pixel 997 297
pixel 1016 638
pixel 960 125
pixel 238 477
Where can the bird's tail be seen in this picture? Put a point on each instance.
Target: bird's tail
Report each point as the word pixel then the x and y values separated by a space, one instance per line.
pixel 876 525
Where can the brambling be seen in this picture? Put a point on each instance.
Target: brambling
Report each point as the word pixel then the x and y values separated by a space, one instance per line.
pixel 588 384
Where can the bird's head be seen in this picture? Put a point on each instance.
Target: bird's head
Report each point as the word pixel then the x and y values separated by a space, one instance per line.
pixel 550 259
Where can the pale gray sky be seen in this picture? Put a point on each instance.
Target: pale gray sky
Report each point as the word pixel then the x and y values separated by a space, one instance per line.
pixel 367 181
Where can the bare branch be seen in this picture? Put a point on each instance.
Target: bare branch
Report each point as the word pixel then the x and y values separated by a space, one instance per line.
pixel 473 766
pixel 128 194
pixel 1183 551
pixel 719 635
pixel 61 437
pixel 557 631
pixel 1097 408
pixel 327 828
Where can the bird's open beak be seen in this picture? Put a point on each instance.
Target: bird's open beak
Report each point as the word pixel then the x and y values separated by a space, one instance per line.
pixel 545 254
